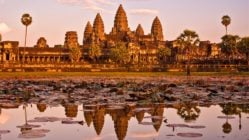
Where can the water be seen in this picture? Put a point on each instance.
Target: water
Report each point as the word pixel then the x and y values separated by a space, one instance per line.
pixel 111 123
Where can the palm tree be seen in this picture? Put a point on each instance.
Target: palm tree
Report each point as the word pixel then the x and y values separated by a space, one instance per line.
pixel 26 21
pixel 226 20
pixel 189 41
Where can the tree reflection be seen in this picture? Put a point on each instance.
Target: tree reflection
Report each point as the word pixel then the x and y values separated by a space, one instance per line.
pixel 41 107
pixel 188 111
pixel 234 109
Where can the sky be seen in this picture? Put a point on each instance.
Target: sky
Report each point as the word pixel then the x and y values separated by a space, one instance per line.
pixel 53 18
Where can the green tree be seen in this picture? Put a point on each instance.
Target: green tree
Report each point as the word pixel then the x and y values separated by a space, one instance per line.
pixel 188 41
pixel 95 52
pixel 243 47
pixel 226 20
pixel 229 45
pixel 163 53
pixel 74 54
pixel 120 53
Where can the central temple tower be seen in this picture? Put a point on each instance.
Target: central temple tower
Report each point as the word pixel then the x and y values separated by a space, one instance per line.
pixel 120 22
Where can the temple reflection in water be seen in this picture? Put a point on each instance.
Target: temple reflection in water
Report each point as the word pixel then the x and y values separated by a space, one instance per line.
pixel 95 115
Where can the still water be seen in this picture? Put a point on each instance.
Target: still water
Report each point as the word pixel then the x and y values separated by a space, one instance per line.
pixel 140 122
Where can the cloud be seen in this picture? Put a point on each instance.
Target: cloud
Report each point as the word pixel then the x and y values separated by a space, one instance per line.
pixel 106 2
pixel 4 28
pixel 144 11
pixel 69 1
pixel 94 5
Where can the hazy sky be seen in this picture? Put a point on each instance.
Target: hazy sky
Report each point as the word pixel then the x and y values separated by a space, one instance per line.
pixel 52 18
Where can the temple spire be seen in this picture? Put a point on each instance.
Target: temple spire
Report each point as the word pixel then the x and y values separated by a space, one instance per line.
pixel 157 30
pixel 98 27
pixel 140 30
pixel 120 22
pixel 88 32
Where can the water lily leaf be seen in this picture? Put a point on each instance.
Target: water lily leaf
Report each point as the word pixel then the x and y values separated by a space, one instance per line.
pixel 115 107
pixel 28 126
pixel 225 117
pixel 197 126
pixel 31 135
pixel 155 117
pixel 142 109
pixel 148 123
pixel 177 125
pixel 189 135
pixel 36 131
pixel 4 132
pixel 72 122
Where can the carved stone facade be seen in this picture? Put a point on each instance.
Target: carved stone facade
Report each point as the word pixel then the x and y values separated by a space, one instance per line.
pixel 71 39
pixel 41 43
pixel 143 49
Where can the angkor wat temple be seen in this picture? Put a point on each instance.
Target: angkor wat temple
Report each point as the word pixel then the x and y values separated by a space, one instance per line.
pixel 143 50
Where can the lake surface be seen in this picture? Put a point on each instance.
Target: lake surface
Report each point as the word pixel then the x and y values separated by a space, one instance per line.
pixel 132 122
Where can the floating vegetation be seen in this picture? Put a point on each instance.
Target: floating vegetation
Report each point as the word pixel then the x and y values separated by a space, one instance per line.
pixel 226 117
pixel 72 122
pixel 177 125
pixel 48 119
pixel 189 135
pixel 155 117
pixel 148 123
pixel 4 132
pixel 28 126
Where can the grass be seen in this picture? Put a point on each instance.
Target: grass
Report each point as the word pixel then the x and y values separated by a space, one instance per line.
pixel 111 74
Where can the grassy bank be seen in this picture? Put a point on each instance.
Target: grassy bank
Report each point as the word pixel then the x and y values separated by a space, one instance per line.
pixel 111 74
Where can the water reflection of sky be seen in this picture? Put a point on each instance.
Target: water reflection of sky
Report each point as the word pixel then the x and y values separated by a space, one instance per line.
pixel 112 125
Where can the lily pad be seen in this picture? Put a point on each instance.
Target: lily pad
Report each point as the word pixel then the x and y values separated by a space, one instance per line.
pixel 189 135
pixel 197 126
pixel 115 107
pixel 88 110
pixel 4 132
pixel 31 135
pixel 36 131
pixel 72 122
pixel 142 109
pixel 154 117
pixel 177 125
pixel 27 126
pixel 148 123
pixel 9 105
pixel 48 119
pixel 226 117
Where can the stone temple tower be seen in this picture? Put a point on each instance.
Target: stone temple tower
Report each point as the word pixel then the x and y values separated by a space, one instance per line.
pixel 98 27
pixel 71 39
pixel 139 30
pixel 120 22
pixel 88 33
pixel 157 30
